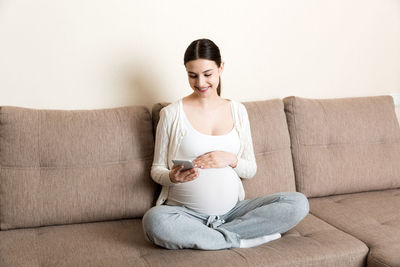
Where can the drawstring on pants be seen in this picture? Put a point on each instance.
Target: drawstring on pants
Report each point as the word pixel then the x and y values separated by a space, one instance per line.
pixel 214 221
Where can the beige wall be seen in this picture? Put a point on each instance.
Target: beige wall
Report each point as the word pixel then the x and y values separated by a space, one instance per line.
pixel 82 54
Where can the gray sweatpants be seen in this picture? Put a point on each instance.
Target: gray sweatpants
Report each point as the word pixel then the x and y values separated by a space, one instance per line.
pixel 177 227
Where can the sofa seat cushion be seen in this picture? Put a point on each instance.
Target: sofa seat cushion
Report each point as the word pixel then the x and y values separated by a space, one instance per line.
pixel 312 242
pixel 122 243
pixel 373 217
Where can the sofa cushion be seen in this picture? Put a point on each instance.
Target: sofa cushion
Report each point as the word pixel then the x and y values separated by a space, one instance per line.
pixel 373 217
pixel 60 166
pixel 271 147
pixel 344 145
pixel 122 243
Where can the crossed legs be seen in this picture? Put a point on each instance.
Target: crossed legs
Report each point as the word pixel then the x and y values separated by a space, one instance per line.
pixel 176 227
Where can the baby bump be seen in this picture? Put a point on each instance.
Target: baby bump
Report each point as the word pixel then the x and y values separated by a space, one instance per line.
pixel 214 192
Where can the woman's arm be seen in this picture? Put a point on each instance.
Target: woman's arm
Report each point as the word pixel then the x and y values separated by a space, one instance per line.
pixel 159 169
pixel 246 165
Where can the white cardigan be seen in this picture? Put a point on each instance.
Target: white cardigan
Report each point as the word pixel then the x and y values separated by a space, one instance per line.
pixel 170 131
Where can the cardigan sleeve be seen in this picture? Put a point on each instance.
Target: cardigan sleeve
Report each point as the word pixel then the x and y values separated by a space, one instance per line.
pixel 246 166
pixel 159 168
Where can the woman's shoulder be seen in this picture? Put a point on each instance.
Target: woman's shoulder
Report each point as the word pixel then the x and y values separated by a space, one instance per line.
pixel 238 106
pixel 170 110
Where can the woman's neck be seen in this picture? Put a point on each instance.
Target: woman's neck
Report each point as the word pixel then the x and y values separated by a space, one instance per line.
pixel 204 102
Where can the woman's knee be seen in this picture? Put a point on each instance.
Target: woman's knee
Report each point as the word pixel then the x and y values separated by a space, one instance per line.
pixel 161 226
pixel 300 204
pixel 155 218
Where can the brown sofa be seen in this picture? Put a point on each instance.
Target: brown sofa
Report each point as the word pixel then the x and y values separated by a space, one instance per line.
pixel 74 185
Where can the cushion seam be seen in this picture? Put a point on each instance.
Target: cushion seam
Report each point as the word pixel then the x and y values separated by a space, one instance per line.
pixel 273 151
pixel 372 258
pixel 299 179
pixel 75 166
pixel 343 144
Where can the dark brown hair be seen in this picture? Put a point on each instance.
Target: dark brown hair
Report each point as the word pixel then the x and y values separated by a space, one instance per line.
pixel 205 49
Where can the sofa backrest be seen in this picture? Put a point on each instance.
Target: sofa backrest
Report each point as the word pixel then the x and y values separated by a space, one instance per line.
pixel 344 145
pixel 271 147
pixel 60 167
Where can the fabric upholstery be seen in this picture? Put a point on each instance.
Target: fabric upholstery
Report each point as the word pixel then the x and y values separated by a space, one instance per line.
pixel 271 143
pixel 372 217
pixel 122 243
pixel 60 166
pixel 271 147
pixel 344 145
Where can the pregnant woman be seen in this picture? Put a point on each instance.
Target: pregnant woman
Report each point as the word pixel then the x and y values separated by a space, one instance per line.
pixel 204 207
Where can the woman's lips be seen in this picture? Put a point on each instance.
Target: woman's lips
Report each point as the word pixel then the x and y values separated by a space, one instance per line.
pixel 202 89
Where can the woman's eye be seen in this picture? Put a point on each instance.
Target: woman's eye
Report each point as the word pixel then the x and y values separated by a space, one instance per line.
pixel 207 75
pixel 192 76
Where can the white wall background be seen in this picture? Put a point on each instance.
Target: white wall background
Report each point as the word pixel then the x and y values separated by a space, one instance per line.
pixel 86 54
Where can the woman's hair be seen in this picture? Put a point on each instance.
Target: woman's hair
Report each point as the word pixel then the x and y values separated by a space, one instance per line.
pixel 205 49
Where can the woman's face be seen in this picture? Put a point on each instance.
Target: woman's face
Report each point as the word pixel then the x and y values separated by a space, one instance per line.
pixel 203 75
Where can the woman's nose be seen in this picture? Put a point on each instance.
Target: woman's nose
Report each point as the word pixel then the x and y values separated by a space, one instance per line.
pixel 201 82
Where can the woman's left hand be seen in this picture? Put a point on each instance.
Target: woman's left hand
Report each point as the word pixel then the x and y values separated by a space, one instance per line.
pixel 216 159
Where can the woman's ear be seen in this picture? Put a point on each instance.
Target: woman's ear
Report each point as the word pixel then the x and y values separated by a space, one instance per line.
pixel 221 68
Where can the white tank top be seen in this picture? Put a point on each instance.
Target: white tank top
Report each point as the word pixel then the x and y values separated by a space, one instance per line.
pixel 216 190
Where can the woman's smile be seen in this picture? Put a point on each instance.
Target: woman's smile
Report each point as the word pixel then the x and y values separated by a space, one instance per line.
pixel 203 89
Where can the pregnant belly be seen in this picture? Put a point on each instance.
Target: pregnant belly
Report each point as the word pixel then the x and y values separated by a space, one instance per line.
pixel 214 192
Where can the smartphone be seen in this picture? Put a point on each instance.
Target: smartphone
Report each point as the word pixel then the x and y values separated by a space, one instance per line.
pixel 187 164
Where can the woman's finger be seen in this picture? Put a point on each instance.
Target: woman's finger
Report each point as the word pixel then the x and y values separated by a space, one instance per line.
pixel 173 169
pixel 188 172
pixel 178 168
pixel 200 162
pixel 191 177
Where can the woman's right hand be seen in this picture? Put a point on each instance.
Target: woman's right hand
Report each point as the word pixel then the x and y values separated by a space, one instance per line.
pixel 178 176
